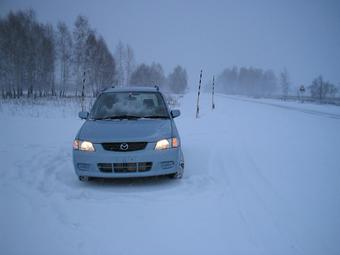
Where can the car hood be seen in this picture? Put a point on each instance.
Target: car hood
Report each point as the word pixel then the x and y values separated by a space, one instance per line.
pixel 101 131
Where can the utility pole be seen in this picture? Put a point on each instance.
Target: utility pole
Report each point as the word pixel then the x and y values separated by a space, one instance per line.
pixel 83 93
pixel 213 92
pixel 198 96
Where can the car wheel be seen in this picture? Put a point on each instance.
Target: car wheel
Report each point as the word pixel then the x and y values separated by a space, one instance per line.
pixel 177 175
pixel 84 178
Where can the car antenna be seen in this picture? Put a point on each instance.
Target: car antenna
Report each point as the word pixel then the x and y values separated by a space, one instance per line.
pixel 156 87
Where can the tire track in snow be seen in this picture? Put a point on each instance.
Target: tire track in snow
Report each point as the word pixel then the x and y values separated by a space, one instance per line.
pixel 228 187
pixel 277 206
pixel 251 205
pixel 272 203
pixel 308 111
pixel 52 174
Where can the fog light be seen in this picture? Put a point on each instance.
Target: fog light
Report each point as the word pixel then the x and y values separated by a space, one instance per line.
pixel 83 166
pixel 167 164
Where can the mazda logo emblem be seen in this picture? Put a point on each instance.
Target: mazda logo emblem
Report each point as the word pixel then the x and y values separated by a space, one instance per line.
pixel 124 146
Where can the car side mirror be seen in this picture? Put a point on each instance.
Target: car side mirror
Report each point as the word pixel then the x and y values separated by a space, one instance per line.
pixel 175 113
pixel 83 115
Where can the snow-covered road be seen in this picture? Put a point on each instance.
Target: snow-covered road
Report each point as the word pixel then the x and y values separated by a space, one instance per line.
pixel 259 179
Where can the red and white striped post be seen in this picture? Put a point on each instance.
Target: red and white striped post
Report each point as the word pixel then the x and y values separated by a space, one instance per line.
pixel 83 93
pixel 213 92
pixel 198 96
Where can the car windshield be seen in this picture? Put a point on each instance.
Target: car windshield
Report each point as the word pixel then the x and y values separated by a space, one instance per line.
pixel 129 105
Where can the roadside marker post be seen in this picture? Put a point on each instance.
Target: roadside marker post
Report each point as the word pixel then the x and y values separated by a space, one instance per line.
pixel 213 92
pixel 198 96
pixel 83 92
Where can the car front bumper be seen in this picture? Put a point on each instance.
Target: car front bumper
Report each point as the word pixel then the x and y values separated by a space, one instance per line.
pixel 163 162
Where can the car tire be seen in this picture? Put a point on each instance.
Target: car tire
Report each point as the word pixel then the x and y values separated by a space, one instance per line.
pixel 177 175
pixel 84 178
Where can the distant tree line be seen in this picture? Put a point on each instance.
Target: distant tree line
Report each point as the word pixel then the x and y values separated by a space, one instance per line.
pixel 247 81
pixel 131 74
pixel 38 60
pixel 257 82
pixel 175 82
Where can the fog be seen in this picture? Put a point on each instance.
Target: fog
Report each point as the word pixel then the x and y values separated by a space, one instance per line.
pixel 302 36
pixel 254 154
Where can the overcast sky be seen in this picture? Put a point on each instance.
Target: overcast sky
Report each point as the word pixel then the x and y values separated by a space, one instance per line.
pixel 303 36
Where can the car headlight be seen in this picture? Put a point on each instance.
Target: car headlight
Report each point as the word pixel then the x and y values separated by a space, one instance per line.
pixel 167 144
pixel 83 145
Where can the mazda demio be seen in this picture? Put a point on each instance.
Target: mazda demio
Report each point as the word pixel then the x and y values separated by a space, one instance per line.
pixel 129 132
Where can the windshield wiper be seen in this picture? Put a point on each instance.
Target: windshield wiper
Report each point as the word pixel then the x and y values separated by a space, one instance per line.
pixel 156 117
pixel 119 117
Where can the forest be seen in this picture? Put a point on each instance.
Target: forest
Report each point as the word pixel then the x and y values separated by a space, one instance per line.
pixel 39 60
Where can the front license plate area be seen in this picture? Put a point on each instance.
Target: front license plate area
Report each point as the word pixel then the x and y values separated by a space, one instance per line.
pixel 125 167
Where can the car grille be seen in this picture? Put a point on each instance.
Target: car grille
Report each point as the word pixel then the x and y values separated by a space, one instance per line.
pixel 123 147
pixel 125 167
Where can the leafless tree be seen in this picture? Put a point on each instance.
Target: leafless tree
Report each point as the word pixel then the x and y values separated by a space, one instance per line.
pixel 32 55
pixel 130 63
pixel 81 33
pixel 120 59
pixel 146 75
pixel 177 81
pixel 320 89
pixel 284 82
pixel 100 63
pixel 64 45
pixel 27 55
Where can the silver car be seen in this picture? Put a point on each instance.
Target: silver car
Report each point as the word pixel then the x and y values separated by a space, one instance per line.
pixel 130 132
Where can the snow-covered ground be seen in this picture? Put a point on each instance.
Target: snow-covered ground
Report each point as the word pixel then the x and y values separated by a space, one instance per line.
pixel 259 179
